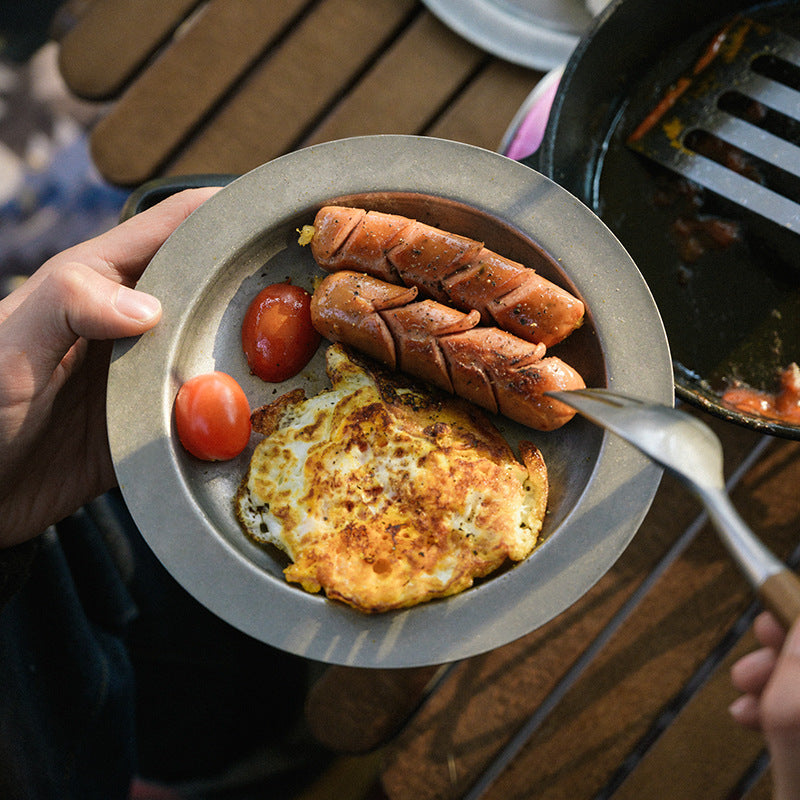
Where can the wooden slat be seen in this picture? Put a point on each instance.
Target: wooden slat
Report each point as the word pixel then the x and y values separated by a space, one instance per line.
pixel 153 128
pixel 479 709
pixel 701 753
pixel 355 710
pixel 406 87
pixel 762 789
pixel 646 665
pixel 283 97
pixel 177 92
pixel 481 114
pixel 108 45
pixel 346 778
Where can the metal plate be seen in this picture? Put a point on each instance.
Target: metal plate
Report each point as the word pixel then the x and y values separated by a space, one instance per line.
pixel 539 34
pixel 245 237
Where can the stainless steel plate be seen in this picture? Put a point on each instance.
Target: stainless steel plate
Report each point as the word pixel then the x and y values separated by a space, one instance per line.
pixel 540 34
pixel 245 237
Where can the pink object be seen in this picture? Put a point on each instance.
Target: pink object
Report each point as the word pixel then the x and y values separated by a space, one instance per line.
pixel 526 131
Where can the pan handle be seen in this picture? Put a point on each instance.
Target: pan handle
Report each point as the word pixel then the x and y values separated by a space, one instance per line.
pixel 780 593
pixel 158 189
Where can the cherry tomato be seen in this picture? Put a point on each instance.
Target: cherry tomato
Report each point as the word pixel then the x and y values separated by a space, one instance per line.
pixel 278 338
pixel 212 417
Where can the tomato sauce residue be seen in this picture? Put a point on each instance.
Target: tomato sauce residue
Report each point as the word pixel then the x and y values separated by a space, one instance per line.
pixel 727 43
pixel 664 105
pixel 782 405
pixel 695 237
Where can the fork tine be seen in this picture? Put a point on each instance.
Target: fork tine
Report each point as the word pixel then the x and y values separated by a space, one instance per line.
pixel 599 395
pixel 680 443
pixel 688 449
pixel 603 407
pixel 628 417
pixel 599 405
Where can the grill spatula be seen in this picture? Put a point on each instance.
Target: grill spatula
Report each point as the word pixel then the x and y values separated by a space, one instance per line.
pixel 732 123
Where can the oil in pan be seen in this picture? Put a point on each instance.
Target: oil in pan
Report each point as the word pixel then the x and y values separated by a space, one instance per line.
pixel 730 300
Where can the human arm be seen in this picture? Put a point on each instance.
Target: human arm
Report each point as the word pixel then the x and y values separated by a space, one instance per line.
pixel 56 334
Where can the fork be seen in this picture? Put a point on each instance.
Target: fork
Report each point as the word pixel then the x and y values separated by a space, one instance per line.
pixel 688 449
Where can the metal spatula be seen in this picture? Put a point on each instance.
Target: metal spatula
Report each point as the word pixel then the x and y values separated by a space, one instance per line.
pixel 691 451
pixel 732 123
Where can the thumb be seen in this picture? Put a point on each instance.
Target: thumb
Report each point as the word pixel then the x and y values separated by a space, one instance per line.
pixel 77 301
pixel 136 309
pixel 69 303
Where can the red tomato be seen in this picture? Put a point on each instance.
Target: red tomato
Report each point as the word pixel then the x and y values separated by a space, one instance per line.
pixel 212 417
pixel 277 335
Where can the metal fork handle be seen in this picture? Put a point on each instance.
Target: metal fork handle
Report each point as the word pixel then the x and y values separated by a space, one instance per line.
pixel 777 587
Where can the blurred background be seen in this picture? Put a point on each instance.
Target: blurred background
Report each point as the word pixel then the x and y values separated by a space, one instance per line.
pixel 50 194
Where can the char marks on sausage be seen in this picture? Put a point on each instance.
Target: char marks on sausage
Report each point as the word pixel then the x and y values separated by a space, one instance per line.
pixel 488 366
pixel 447 267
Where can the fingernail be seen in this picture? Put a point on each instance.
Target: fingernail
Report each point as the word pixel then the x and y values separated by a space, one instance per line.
pixel 137 305
pixel 736 708
pixel 743 710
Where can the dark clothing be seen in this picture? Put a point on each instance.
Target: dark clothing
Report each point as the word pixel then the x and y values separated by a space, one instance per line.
pixel 109 668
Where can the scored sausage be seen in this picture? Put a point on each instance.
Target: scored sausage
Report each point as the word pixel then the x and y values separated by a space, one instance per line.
pixel 447 267
pixel 488 366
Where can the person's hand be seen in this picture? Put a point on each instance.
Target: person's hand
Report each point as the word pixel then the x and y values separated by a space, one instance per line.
pixel 769 679
pixel 56 334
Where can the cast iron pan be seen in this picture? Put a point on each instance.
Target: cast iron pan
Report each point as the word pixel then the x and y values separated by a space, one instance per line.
pixel 731 313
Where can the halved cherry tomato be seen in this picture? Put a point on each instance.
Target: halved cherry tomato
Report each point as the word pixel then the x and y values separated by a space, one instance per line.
pixel 278 338
pixel 212 417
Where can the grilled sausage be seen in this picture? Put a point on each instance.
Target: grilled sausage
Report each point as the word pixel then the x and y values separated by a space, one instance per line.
pixel 490 367
pixel 447 267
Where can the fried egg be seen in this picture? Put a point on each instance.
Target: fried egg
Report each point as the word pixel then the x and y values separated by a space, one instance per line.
pixel 385 495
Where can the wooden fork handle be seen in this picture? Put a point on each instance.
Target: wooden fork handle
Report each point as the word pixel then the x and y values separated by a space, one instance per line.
pixel 780 593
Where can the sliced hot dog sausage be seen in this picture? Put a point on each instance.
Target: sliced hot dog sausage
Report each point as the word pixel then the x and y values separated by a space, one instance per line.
pixel 418 329
pixel 490 367
pixel 447 267
pixel 342 313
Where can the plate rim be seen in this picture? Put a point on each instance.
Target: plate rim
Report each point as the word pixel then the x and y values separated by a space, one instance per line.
pixel 506 34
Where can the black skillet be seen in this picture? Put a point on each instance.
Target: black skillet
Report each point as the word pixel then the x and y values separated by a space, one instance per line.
pixel 734 311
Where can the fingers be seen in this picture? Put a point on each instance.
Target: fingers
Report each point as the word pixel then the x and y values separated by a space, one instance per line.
pixel 69 303
pixel 780 718
pixel 123 252
pixel 780 699
pixel 769 631
pixel 745 711
pixel 85 292
pixel 769 679
pixel 751 672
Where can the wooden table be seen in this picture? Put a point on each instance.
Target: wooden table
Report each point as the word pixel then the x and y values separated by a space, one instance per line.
pixel 624 695
pixel 226 92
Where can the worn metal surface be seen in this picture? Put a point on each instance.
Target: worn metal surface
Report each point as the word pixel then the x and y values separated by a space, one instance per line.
pixel 246 236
